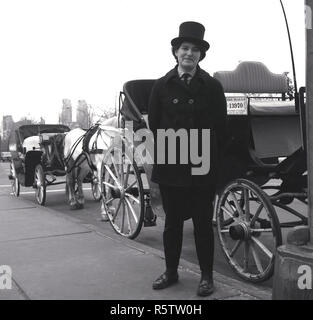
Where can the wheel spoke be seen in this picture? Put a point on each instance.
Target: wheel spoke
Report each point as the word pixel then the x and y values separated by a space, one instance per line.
pixel 128 220
pixel 122 170
pixel 108 201
pixel 246 256
pixel 132 210
pixel 262 230
pixel 130 186
pixel 231 206
pixel 112 175
pixel 262 247
pixel 229 214
pixel 117 209
pixel 132 197
pixel 235 248
pixel 127 174
pixel 234 199
pixel 247 204
pixel 108 184
pixel 123 215
pixel 256 258
pixel 252 222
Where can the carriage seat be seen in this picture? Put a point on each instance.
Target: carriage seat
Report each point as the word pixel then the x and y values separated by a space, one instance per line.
pixel 41 143
pixel 252 77
pixel 275 126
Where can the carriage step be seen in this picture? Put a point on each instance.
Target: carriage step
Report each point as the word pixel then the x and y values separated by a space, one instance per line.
pixel 150 223
pixel 150 217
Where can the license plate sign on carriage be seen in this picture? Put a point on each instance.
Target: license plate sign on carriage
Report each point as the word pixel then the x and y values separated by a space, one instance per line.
pixel 237 105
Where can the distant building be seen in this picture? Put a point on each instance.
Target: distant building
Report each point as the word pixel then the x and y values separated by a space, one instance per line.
pixel 66 113
pixel 82 114
pixel 7 126
pixel 74 124
pixel 7 132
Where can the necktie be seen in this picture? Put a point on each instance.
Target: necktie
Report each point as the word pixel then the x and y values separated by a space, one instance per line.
pixel 185 77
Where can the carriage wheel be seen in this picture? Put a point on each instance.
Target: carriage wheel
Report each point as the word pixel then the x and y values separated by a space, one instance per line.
pixel 40 185
pixel 122 192
pixel 248 230
pixel 15 184
pixel 95 189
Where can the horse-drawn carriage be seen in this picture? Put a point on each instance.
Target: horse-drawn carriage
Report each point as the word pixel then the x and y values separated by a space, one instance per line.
pixel 37 160
pixel 263 170
pixel 264 145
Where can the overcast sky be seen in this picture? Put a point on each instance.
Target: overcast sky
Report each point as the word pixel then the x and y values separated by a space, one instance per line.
pixel 87 49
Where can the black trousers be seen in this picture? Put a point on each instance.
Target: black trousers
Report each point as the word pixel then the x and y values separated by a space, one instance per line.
pixel 181 203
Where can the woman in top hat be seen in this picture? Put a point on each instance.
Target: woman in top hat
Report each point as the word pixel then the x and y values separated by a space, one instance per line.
pixel 187 98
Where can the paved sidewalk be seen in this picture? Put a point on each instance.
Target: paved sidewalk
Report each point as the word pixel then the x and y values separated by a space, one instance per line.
pixel 54 256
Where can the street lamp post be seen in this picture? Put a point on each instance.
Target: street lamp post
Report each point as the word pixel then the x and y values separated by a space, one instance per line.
pixel 294 260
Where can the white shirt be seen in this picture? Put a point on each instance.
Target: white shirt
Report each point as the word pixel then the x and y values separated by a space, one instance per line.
pixel 181 72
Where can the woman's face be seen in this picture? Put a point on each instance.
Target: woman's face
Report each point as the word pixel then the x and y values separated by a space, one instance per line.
pixel 188 56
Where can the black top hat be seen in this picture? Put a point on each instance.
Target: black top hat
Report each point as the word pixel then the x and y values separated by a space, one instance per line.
pixel 193 32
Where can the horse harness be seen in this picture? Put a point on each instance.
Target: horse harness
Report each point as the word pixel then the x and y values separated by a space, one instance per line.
pixel 85 155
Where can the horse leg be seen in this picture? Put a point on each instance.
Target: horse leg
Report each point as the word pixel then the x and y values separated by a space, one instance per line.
pixel 103 211
pixel 70 184
pixel 80 194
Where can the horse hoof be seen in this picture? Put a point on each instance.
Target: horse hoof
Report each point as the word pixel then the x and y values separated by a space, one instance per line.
pixel 73 206
pixel 80 206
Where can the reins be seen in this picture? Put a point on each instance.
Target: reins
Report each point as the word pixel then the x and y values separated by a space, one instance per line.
pixel 84 155
pixel 73 148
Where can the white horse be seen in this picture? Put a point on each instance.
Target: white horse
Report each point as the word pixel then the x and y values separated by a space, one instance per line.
pixel 77 164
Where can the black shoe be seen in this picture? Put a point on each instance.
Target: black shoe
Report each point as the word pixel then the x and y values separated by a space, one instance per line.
pixel 205 288
pixel 164 281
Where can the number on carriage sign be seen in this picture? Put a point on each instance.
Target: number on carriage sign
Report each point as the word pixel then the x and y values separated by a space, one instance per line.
pixel 237 105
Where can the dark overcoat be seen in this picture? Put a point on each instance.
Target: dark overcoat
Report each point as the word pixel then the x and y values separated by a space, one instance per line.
pixel 199 105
